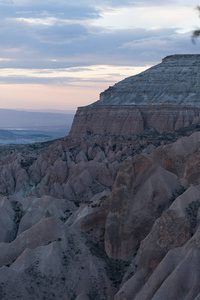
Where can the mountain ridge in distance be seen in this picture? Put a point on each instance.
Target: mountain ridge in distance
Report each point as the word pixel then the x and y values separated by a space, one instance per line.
pixel 24 127
pixel 59 111
pixel 10 118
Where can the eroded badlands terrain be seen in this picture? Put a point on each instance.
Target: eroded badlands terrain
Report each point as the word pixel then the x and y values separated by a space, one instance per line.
pixel 105 215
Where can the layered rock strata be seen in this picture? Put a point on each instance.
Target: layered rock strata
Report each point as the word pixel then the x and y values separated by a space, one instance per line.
pixel 165 97
pixel 132 119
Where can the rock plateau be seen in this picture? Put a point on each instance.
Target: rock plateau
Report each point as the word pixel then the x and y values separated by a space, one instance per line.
pixel 164 97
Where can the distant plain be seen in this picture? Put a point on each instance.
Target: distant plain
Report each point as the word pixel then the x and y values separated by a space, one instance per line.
pixel 24 127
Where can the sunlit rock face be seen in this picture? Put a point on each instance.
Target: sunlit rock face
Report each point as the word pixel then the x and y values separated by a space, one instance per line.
pixel 165 97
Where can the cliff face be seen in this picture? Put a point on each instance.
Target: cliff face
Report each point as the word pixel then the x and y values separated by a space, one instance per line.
pixel 132 119
pixel 165 97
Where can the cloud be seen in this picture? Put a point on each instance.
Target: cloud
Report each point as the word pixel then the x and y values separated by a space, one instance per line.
pixel 155 47
pixel 63 3
pixel 68 76
pixel 39 9
pixel 62 34
pixel 136 3
pixel 72 50
pixel 74 45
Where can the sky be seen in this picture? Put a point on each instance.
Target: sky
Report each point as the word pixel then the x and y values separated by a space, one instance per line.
pixel 60 54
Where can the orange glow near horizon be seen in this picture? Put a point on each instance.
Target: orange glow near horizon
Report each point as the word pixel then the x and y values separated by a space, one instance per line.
pixel 28 96
pixel 84 89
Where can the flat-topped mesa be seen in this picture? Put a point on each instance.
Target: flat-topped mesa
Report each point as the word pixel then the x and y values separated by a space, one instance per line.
pixel 165 97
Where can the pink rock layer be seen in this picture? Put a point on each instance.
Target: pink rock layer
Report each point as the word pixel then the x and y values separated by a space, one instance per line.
pixel 132 119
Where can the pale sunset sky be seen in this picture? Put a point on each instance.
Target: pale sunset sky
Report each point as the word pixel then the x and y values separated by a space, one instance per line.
pixel 60 54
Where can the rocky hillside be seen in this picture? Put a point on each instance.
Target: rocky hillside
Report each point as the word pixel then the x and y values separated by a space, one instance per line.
pixel 164 97
pixel 113 217
pixel 100 217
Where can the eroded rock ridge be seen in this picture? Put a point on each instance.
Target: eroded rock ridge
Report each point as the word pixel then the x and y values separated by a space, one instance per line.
pixel 164 97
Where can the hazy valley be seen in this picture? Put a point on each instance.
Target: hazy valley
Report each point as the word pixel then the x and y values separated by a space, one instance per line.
pixel 24 127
